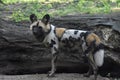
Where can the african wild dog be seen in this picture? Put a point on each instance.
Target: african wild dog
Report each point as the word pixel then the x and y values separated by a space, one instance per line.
pixel 57 37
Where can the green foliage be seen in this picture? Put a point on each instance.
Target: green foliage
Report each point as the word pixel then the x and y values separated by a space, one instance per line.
pixel 118 3
pixel 23 14
pixel 93 7
pixel 21 1
pixel 58 7
pixel 39 9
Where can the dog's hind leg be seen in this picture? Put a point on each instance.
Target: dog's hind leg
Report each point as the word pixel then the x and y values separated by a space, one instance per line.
pixel 90 57
pixel 53 61
pixel 94 66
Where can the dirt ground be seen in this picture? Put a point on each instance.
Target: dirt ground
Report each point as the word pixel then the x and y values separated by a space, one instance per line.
pixel 62 76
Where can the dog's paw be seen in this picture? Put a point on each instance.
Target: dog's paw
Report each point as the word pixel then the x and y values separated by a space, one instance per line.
pixel 50 74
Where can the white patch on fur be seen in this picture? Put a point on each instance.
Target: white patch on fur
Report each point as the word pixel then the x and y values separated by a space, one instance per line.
pixel 99 57
pixel 51 35
pixel 70 32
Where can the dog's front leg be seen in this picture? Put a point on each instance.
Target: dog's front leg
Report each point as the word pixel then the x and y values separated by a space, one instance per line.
pixel 54 50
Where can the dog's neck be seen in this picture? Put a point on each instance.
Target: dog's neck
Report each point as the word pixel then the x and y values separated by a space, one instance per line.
pixel 48 31
pixel 51 29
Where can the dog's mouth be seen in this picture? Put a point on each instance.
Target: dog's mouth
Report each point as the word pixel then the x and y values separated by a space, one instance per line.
pixel 38 33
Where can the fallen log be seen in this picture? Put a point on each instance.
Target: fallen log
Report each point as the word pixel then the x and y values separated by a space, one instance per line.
pixel 21 53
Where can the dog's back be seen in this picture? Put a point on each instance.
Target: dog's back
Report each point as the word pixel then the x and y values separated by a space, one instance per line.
pixel 69 39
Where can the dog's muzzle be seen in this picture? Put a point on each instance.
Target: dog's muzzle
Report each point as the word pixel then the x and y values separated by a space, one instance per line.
pixel 38 33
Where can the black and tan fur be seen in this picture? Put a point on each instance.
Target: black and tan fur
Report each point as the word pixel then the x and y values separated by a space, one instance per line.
pixel 56 38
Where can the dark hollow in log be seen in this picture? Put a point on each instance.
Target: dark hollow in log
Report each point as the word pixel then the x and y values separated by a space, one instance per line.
pixel 21 53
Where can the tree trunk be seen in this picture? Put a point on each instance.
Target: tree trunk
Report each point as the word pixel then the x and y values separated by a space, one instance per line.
pixel 21 53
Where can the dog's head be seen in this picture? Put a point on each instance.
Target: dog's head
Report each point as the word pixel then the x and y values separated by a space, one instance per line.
pixel 40 27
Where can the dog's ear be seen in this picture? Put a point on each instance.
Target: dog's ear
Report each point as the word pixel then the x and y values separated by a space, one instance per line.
pixel 46 19
pixel 33 18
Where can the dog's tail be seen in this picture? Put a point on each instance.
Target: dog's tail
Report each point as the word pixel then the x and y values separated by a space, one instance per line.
pixel 99 57
pixel 99 54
